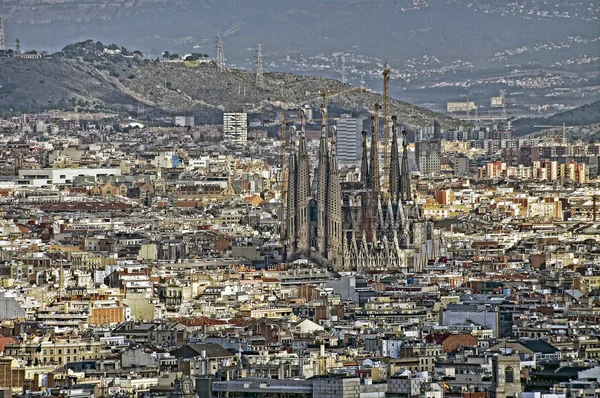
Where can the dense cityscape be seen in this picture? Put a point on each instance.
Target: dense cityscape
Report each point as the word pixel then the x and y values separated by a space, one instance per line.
pixel 176 227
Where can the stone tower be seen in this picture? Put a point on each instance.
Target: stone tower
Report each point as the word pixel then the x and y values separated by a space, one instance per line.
pixel 303 194
pixel 334 212
pixel 506 376
pixel 291 228
pixel 322 176
pixel 394 164
pixel 364 165
pixel 375 183
pixel 405 172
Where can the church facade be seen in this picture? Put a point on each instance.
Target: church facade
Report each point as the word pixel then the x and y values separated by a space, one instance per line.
pixel 354 226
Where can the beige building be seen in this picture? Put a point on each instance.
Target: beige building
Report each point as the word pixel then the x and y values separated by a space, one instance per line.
pixel 58 351
pixel 460 106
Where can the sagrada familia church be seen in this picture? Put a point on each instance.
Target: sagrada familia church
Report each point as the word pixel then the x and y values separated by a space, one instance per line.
pixel 355 226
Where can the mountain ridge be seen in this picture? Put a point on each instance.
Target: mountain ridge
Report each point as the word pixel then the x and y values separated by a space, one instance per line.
pixel 588 114
pixel 83 76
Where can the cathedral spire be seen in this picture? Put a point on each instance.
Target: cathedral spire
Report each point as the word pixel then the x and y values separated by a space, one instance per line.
pixel 322 175
pixel 394 164
pixel 291 227
pixel 364 165
pixel 375 184
pixel 334 211
pixel 405 172
pixel 303 192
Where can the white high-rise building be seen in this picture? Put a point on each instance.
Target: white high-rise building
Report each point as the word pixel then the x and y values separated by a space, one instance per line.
pixel 235 127
pixel 349 139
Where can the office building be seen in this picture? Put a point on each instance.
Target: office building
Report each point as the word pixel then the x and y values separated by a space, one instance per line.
pixel 235 127
pixel 429 151
pixel 349 139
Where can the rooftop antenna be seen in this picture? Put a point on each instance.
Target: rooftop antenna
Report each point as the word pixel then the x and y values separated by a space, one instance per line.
pixel 220 58
pixel 260 81
pixel 2 34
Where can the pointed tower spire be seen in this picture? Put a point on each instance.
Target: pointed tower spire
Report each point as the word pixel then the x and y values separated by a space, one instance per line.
pixel 405 172
pixel 374 158
pixel 303 192
pixel 291 228
pixel 394 164
pixel 322 174
pixel 334 211
pixel 364 165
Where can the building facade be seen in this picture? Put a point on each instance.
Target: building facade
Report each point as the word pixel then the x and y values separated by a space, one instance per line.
pixel 235 126
pixel 349 139
pixel 354 225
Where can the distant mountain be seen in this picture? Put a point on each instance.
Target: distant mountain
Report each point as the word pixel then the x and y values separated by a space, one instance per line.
pixel 438 50
pixel 393 31
pixel 584 115
pixel 82 76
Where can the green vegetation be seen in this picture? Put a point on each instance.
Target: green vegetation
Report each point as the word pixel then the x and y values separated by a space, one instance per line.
pixel 584 115
pixel 86 77
pixel 196 57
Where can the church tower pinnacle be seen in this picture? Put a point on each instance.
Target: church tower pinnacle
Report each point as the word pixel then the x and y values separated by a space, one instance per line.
pixel 394 164
pixel 364 165
pixel 405 172
pixel 334 211
pixel 292 231
pixel 303 192
pixel 375 183
pixel 322 176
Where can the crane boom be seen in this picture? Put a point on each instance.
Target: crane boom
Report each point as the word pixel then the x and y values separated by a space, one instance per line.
pixel 327 93
pixel 386 127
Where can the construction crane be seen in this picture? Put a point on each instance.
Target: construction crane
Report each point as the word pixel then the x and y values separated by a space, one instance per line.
pixel 386 127
pixel 326 93
pixel 564 130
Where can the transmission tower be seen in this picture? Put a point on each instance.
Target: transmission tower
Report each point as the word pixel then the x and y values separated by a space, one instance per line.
pixel 220 58
pixel 18 47
pixel 2 34
pixel 343 68
pixel 260 80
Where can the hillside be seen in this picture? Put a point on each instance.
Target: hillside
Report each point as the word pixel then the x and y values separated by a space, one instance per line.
pixel 82 77
pixel 587 133
pixel 491 45
pixel 584 115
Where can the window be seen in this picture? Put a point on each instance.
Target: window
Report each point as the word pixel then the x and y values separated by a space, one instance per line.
pixel 509 375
